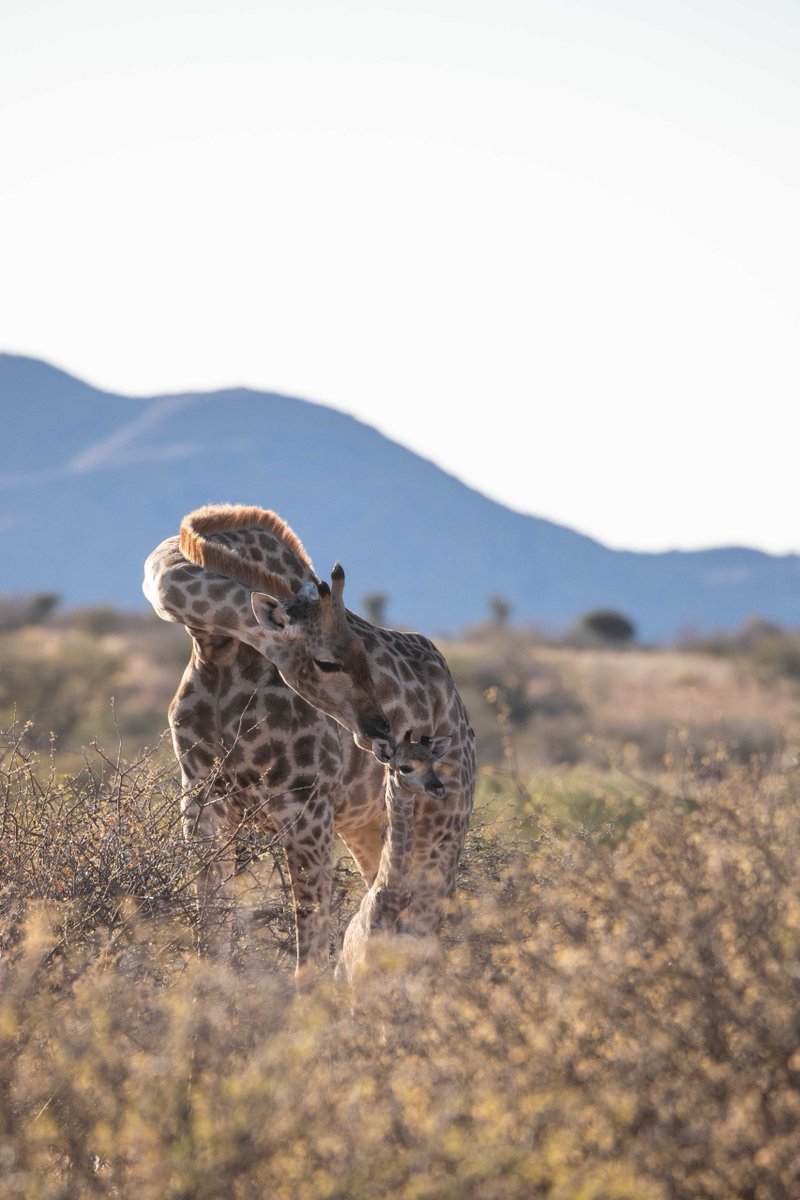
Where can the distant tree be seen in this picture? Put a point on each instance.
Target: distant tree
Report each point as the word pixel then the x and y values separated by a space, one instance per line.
pixel 756 632
pixel 606 626
pixel 500 611
pixel 18 611
pixel 42 604
pixel 375 607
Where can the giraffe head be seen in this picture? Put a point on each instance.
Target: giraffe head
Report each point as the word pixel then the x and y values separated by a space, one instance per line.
pixel 411 764
pixel 318 655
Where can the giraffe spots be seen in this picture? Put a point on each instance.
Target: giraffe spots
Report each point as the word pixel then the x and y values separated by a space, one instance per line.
pixel 278 713
pixel 235 756
pixel 385 680
pixel 304 750
pixel 318 808
pixel 202 714
pixel 199 756
pixel 218 591
pixel 182 741
pixel 405 672
pixel 330 743
pixel 174 597
pixel 293 769
pixel 278 772
pixel 231 713
pixel 416 701
pixel 252 670
pixel 248 778
pixel 269 750
pixel 327 764
pixel 330 754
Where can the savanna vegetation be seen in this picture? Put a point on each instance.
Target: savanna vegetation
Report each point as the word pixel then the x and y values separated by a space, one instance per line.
pixel 614 1012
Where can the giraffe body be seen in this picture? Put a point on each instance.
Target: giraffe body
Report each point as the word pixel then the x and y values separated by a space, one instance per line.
pixel 275 679
pixel 410 774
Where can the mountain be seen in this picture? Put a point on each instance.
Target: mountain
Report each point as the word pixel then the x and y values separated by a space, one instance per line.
pixel 90 482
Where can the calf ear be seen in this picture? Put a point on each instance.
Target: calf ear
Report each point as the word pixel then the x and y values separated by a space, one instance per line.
pixel 439 746
pixel 269 612
pixel 382 750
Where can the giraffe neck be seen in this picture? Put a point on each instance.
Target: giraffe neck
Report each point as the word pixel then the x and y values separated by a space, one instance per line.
pixel 252 545
pixel 391 882
pixel 215 601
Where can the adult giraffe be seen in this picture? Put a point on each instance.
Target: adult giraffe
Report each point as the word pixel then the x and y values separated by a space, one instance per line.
pixel 279 670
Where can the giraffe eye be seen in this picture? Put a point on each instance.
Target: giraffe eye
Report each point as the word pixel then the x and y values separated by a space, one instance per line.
pixel 405 770
pixel 326 665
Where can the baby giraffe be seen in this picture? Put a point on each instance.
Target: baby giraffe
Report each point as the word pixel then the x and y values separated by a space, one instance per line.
pixel 410 772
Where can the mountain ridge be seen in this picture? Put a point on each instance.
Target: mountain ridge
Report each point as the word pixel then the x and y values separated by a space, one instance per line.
pixel 91 481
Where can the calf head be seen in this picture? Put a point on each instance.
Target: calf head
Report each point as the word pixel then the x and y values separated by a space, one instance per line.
pixel 411 764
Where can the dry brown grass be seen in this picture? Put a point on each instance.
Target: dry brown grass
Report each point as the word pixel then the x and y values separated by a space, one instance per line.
pixel 568 705
pixel 561 705
pixel 614 1013
pixel 605 1021
pixel 639 696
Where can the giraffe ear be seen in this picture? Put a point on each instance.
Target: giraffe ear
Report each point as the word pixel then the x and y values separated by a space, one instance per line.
pixel 382 750
pixel 269 612
pixel 439 746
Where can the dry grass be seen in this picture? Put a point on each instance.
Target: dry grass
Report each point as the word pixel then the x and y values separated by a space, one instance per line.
pixel 614 1012
pixel 561 705
pixel 604 1022
pixel 564 705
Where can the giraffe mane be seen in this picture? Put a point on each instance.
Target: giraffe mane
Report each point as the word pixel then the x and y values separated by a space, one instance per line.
pixel 221 518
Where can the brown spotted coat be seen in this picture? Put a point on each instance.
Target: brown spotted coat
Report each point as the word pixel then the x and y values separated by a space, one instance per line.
pixel 260 729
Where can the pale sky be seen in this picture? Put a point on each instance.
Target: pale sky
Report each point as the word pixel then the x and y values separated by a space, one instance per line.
pixel 552 246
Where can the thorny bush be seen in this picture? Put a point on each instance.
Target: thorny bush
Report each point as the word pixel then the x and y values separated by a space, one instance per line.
pixel 603 1022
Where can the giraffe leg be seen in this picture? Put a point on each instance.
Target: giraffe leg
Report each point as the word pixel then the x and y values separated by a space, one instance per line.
pixel 433 876
pixel 203 802
pixel 310 863
pixel 354 944
pixel 365 844
pixel 205 829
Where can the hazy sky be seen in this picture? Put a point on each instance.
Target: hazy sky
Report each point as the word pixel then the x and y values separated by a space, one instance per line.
pixel 553 246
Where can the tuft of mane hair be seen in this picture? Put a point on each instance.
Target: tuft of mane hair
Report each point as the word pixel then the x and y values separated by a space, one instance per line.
pixel 214 556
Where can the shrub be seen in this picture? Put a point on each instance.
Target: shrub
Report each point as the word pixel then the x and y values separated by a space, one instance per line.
pixel 602 1023
pixel 64 685
pixel 18 611
pixel 766 649
pixel 607 627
